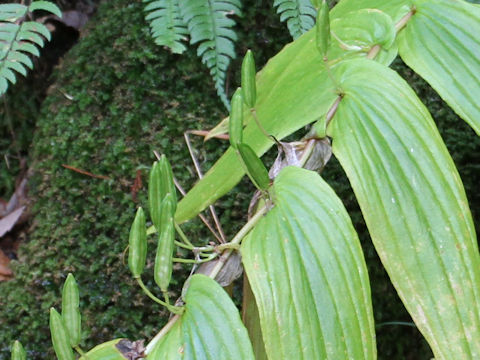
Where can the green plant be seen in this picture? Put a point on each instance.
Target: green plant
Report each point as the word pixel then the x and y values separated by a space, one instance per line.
pixel 21 38
pixel 402 175
pixel 209 24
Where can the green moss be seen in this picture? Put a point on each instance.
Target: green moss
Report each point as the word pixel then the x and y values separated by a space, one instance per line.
pixel 129 98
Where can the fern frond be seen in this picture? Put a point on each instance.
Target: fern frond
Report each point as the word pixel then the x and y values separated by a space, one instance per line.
pixel 166 24
pixel 299 15
pixel 19 39
pixel 210 26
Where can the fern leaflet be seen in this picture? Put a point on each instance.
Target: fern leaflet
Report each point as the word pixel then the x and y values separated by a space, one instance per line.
pixel 299 14
pixel 166 24
pixel 19 39
pixel 210 26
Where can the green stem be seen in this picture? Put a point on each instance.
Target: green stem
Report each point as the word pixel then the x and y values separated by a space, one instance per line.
pixel 173 309
pixel 80 351
pixel 254 115
pixel 192 261
pixel 182 235
pixel 161 334
pixel 237 239
pixel 213 273
pixel 183 246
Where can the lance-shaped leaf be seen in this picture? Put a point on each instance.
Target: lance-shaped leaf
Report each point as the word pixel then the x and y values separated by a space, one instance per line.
pixel 293 90
pixel 209 329
pixel 106 351
pixel 441 44
pixel 306 269
pixel 251 319
pixel 299 69
pixel 413 203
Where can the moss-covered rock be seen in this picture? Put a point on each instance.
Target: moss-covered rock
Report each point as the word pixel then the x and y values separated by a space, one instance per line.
pixel 129 98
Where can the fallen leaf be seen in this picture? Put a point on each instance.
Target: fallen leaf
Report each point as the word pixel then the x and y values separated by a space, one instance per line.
pixel 9 221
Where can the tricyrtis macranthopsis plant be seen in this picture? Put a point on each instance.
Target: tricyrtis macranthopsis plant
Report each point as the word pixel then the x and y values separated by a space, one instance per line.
pixel 310 296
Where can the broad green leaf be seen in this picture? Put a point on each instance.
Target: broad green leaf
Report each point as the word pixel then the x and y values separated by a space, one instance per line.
pixel 46 6
pixel 441 43
pixel 251 319
pixel 307 272
pixel 105 351
pixel 170 346
pixel 357 32
pixel 293 90
pixel 395 8
pixel 413 203
pixel 298 69
pixel 209 329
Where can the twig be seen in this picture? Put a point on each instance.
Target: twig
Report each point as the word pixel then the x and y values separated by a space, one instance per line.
pixel 204 133
pixel 200 176
pixel 83 172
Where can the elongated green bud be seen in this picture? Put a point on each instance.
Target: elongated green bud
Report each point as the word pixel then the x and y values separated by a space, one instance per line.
pixel 18 352
pixel 71 310
pixel 60 339
pixel 235 123
pixel 323 29
pixel 168 185
pixel 164 256
pixel 137 253
pixel 155 195
pixel 254 167
pixel 316 3
pixel 249 88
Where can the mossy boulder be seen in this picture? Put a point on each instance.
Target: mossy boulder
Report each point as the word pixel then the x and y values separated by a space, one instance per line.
pixel 115 99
